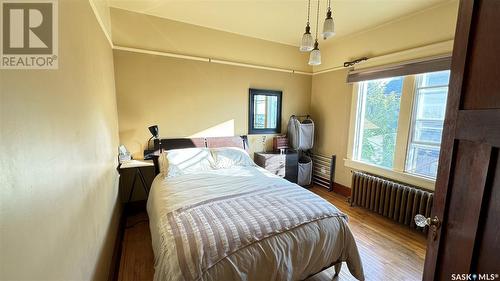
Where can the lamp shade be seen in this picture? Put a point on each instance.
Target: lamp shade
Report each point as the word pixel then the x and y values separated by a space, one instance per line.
pixel 154 130
pixel 328 26
pixel 315 56
pixel 307 42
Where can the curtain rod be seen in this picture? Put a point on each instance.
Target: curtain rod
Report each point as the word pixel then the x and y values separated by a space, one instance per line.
pixel 409 67
pixel 439 44
pixel 402 63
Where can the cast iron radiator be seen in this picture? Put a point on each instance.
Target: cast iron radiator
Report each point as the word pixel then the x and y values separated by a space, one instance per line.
pixel 391 199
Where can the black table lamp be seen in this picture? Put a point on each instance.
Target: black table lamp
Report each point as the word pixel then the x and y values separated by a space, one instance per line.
pixel 154 131
pixel 155 134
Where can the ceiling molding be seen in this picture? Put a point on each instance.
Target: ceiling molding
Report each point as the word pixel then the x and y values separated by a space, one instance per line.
pixel 209 60
pixel 382 59
pixel 101 22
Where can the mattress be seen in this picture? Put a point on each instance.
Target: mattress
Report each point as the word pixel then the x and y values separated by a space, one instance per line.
pixel 243 223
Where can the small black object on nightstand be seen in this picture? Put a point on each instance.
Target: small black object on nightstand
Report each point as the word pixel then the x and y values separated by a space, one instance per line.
pixel 282 164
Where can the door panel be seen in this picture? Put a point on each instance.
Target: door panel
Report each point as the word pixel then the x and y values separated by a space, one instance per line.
pixel 482 70
pixel 488 247
pixel 469 177
pixel 467 197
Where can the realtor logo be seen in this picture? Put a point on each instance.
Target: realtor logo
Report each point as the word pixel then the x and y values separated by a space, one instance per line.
pixel 29 34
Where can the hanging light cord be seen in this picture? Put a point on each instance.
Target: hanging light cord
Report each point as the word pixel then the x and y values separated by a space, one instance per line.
pixel 329 4
pixel 317 21
pixel 308 10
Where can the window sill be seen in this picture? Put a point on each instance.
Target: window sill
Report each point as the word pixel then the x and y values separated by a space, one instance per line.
pixel 391 174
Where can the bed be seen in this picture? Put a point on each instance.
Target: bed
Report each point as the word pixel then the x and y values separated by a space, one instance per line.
pixel 215 215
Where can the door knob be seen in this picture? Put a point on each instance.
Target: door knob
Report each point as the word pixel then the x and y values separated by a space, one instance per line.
pixel 433 224
pixel 422 221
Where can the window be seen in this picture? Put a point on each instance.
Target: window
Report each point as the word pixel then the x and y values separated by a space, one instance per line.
pixel 264 112
pixel 429 108
pixel 378 115
pixel 396 126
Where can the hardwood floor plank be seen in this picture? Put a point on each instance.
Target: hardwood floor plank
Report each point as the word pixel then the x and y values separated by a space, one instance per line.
pixel 137 261
pixel 389 251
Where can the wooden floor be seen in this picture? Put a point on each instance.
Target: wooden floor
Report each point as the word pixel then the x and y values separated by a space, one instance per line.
pixel 137 260
pixel 389 251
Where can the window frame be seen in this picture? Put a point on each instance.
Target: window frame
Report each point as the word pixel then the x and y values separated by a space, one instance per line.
pixel 260 92
pixel 358 133
pixel 414 120
pixel 405 121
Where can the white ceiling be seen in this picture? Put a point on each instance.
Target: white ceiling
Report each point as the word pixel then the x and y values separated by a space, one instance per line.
pixel 280 21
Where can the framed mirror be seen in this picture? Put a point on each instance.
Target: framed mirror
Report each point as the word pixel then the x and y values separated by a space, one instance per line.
pixel 264 115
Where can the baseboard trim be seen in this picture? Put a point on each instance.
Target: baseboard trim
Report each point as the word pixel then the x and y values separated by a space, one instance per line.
pixel 341 189
pixel 117 250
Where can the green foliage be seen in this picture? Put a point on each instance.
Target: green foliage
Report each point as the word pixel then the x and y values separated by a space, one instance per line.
pixel 380 124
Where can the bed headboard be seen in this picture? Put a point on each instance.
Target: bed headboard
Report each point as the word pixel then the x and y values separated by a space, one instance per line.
pixel 211 142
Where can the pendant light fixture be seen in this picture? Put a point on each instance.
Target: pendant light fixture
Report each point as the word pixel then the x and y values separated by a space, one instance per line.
pixel 328 26
pixel 306 44
pixel 315 56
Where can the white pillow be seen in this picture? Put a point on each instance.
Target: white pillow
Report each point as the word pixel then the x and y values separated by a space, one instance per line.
pixel 227 157
pixel 184 161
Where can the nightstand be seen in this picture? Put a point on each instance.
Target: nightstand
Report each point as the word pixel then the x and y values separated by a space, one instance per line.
pixel 133 171
pixel 284 165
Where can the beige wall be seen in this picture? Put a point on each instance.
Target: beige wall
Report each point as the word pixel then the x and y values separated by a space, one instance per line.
pixel 59 137
pixel 436 24
pixel 153 33
pixel 330 107
pixel 191 98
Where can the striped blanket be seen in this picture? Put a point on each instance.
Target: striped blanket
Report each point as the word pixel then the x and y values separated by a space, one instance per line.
pixel 209 231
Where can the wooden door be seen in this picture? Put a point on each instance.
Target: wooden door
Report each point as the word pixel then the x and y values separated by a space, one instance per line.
pixel 467 198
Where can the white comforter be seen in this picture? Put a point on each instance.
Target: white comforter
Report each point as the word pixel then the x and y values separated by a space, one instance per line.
pixel 293 254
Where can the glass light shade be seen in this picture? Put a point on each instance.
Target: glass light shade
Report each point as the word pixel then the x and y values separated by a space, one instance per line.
pixel 315 56
pixel 307 43
pixel 328 26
